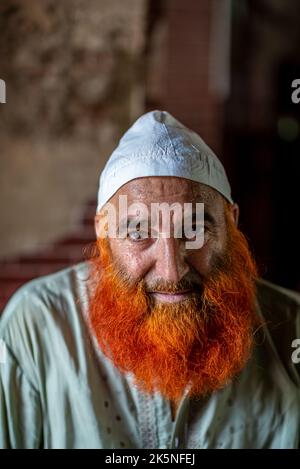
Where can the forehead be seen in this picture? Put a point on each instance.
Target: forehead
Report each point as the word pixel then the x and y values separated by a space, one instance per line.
pixel 168 189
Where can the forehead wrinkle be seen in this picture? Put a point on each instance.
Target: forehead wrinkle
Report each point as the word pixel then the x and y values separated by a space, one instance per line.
pixel 155 188
pixel 161 186
pixel 137 191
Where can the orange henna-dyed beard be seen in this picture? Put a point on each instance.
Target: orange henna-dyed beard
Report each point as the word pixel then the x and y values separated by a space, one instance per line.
pixel 201 342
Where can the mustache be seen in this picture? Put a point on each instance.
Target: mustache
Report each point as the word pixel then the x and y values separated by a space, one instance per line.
pixel 191 281
pixel 164 286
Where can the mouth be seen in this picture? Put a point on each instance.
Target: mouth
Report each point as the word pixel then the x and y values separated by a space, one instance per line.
pixel 171 297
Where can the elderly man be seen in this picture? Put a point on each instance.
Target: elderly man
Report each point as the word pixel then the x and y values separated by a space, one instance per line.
pixel 154 342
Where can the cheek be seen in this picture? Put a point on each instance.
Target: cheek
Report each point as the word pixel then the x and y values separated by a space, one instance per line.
pixel 133 261
pixel 201 260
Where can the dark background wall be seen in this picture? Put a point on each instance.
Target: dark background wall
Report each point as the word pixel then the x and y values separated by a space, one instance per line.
pixel 262 134
pixel 79 73
pixel 227 72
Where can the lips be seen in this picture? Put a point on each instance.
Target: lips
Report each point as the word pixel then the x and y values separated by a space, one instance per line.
pixel 171 297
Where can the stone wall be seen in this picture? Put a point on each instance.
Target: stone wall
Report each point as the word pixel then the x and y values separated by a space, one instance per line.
pixel 74 76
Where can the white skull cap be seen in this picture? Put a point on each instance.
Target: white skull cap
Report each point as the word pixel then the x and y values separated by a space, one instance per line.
pixel 157 144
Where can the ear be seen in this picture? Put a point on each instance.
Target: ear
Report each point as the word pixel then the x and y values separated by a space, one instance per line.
pixel 97 225
pixel 234 213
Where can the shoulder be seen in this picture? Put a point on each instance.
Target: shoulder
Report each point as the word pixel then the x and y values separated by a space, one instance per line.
pixel 43 312
pixel 270 292
pixel 280 309
pixel 47 293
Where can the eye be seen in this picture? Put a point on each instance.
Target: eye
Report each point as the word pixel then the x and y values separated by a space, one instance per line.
pixel 137 235
pixel 199 229
pixel 196 231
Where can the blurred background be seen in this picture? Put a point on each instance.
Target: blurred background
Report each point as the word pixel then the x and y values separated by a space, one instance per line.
pixel 79 72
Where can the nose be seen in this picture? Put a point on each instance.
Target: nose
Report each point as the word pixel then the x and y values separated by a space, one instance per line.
pixel 170 263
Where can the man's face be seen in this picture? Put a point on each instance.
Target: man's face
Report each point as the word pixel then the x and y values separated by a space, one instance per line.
pixel 168 259
pixel 173 316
